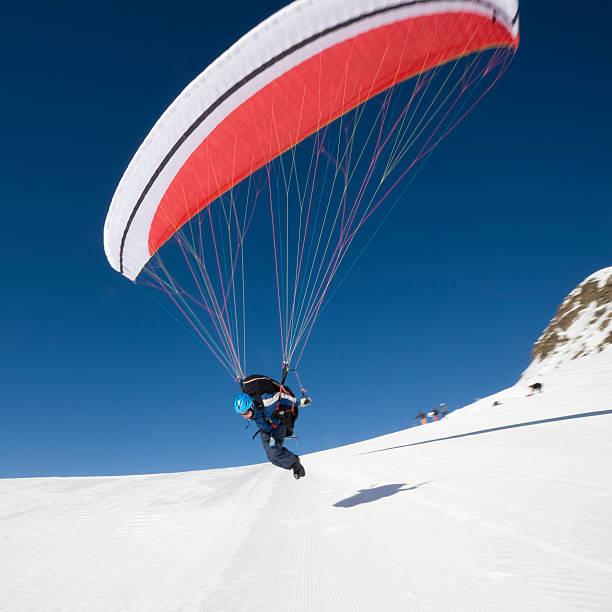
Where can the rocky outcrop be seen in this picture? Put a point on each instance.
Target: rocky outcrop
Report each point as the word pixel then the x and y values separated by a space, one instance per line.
pixel 582 325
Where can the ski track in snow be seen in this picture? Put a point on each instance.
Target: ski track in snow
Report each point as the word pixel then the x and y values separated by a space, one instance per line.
pixel 514 518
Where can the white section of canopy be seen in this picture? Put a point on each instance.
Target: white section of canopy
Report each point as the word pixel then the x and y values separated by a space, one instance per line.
pixel 287 28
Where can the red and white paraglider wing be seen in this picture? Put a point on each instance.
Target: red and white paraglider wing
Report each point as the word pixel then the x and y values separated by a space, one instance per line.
pixel 297 71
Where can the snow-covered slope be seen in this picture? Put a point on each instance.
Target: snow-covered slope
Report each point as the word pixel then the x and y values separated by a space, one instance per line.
pixel 493 508
pixel 581 327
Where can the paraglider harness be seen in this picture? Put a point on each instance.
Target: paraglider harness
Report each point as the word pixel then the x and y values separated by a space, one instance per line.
pixel 285 415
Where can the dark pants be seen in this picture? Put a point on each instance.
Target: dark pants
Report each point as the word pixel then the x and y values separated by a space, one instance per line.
pixel 277 454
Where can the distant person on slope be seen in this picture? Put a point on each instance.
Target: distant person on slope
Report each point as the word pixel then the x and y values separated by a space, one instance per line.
pixel 536 387
pixel 274 409
pixel 443 409
pixel 422 418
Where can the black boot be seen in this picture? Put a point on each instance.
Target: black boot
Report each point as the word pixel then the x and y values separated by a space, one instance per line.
pixel 298 469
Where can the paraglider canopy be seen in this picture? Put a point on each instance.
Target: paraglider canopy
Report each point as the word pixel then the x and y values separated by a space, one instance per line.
pixel 299 70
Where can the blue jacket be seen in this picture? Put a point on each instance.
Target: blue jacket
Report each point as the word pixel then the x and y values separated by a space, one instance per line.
pixel 270 404
pixel 262 420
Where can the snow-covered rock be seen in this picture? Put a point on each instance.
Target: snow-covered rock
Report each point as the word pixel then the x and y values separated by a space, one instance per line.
pixel 581 327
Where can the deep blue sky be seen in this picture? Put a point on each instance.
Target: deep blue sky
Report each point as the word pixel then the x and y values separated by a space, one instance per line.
pixel 515 210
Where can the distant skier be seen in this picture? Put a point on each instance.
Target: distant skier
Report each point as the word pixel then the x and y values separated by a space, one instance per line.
pixel 536 387
pixel 443 409
pixel 435 414
pixel 274 409
pixel 422 417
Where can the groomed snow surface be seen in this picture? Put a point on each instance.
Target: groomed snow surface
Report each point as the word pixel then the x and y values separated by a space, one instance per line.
pixel 493 508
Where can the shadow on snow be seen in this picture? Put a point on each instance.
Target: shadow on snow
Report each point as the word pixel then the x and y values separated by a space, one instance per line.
pixel 369 495
pixel 581 415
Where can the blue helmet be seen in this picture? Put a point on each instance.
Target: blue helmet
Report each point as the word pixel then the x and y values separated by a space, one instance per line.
pixel 242 403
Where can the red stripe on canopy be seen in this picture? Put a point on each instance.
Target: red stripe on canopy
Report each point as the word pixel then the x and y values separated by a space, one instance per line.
pixel 311 95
